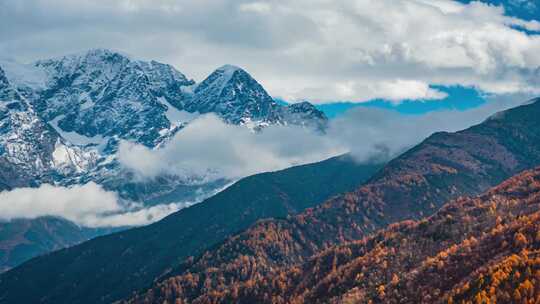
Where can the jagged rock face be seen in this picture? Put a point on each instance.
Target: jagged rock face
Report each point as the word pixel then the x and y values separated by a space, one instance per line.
pixel 107 94
pixel 31 152
pixel 235 96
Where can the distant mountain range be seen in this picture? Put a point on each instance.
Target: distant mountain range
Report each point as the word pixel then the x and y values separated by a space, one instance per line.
pixel 416 184
pixel 61 121
pixel 23 239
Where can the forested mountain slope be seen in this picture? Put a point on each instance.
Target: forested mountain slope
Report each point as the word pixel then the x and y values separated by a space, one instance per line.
pixel 482 249
pixel 110 267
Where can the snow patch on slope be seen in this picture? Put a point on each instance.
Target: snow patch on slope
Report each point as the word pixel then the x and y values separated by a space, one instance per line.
pixel 177 117
pixel 76 138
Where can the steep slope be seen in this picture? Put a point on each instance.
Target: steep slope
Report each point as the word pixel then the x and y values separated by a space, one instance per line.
pixel 22 239
pixel 415 184
pixel 239 99
pixel 31 152
pixel 475 249
pixel 114 266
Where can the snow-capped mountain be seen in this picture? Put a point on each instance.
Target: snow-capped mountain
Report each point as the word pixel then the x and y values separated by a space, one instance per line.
pixel 62 118
pixel 234 95
pixel 239 99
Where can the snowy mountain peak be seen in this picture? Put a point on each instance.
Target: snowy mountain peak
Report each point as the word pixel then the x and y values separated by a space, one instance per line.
pixel 238 98
pixel 103 93
pixel 234 95
pixel 107 64
pixel 103 52
pixel 229 74
pixel 97 55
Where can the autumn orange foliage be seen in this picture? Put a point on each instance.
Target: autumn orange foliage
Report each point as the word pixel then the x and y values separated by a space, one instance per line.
pixel 483 249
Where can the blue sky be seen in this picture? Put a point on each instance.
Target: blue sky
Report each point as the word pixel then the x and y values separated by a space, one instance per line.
pixel 459 98
pixel 523 9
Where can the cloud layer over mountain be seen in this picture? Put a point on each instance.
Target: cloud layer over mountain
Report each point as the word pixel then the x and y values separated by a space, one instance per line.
pixel 317 50
pixel 88 205
pixel 83 204
pixel 209 147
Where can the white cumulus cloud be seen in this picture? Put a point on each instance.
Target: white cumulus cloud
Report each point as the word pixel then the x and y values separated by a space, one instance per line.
pixel 88 205
pixel 305 49
pixel 394 91
pixel 81 204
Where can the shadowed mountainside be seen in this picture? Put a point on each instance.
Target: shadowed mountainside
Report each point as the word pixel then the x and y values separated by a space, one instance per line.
pixel 475 249
pixel 22 239
pixel 110 267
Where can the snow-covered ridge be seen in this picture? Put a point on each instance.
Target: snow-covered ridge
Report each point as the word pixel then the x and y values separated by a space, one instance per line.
pixel 102 94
